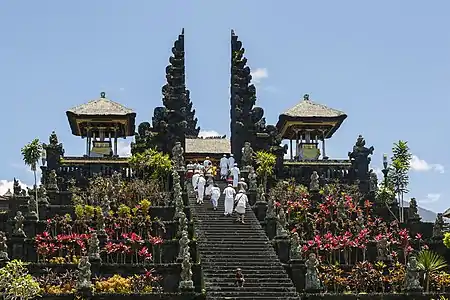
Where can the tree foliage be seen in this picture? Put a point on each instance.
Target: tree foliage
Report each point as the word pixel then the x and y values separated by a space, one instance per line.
pixel 16 283
pixel 430 262
pixel 400 164
pixel 266 164
pixel 151 164
pixel 31 153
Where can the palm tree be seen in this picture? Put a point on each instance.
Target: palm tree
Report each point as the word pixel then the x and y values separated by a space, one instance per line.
pixel 430 262
pixel 31 153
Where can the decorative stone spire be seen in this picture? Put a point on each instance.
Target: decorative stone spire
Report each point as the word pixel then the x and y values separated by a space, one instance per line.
pixel 246 119
pixel 176 119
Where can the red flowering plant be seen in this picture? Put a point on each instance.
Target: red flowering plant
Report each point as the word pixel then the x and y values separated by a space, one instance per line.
pixel 339 227
pixel 66 246
pixel 131 249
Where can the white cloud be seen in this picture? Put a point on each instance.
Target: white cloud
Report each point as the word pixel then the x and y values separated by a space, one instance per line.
pixel 5 185
pixel 421 165
pixel 121 89
pixel 208 133
pixel 259 74
pixel 430 198
pixel 124 148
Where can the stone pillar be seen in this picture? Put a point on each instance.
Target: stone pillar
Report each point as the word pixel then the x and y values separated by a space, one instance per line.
pixel 271 227
pixel 297 274
pixel 282 247
pixel 260 209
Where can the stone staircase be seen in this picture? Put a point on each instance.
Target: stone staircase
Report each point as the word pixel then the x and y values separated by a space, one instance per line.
pixel 225 245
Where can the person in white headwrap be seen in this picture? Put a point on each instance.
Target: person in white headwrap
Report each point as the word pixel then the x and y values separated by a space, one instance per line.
pixel 201 189
pixel 215 195
pixel 235 172
pixel 241 201
pixel 229 192
pixel 223 167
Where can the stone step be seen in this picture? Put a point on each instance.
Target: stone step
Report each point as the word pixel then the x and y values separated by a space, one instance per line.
pixel 231 255
pixel 214 297
pixel 250 259
pixel 261 280
pixel 252 289
pixel 239 294
pixel 219 267
pixel 273 271
pixel 248 283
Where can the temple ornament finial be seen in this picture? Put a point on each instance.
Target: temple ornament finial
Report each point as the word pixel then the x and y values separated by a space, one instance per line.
pixel 306 97
pixel 102 95
pixel 182 31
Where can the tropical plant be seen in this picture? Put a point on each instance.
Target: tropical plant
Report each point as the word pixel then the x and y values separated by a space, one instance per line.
pixel 446 239
pixel 430 262
pixel 16 283
pixel 266 164
pixel 152 164
pixel 398 173
pixel 31 153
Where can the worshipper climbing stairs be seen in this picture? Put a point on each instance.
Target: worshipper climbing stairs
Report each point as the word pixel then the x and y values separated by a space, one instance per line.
pixel 226 245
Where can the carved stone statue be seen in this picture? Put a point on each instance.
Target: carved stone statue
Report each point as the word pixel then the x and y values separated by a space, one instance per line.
pixel 186 282
pixel 84 274
pixel 101 225
pixel 3 247
pixel 32 207
pixel 314 184
pixel 295 249
pixel 413 211
pixel 182 223
pixel 52 183
pixel 360 158
pixel 17 189
pixel 252 180
pixel 94 248
pixel 438 227
pixel 177 156
pixel 412 275
pixel 270 213
pixel 383 249
pixel 105 205
pixel 373 182
pixel 18 225
pixel 340 208
pixel 312 281
pixel 42 195
pixel 247 155
pixel 360 222
pixel 282 223
pixel 184 245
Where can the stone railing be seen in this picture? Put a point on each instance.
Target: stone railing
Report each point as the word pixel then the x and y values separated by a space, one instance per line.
pixel 81 168
pixel 329 170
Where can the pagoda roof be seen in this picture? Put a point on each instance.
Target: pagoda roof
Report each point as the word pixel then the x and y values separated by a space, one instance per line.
pixel 309 109
pixel 208 145
pixel 310 115
pixel 101 107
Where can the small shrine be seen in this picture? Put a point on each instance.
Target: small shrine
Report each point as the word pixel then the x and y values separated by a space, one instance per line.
pixel 306 126
pixel 102 122
pixel 197 149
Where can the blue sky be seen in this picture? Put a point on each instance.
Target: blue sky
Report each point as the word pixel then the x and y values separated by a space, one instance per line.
pixel 385 63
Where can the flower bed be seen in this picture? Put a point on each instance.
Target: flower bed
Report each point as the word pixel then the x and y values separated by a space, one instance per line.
pixel 342 229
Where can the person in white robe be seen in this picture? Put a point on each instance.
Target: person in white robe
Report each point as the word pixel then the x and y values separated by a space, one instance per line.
pixel 215 195
pixel 241 201
pixel 201 189
pixel 195 179
pixel 209 185
pixel 242 185
pixel 229 192
pixel 206 163
pixel 235 172
pixel 224 167
pixel 231 161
